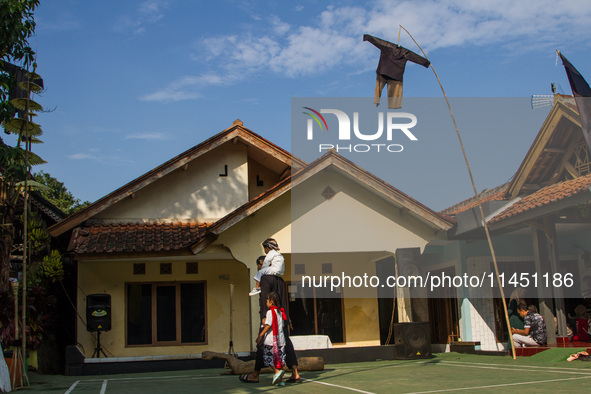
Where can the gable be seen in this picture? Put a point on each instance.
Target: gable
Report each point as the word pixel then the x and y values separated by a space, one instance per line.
pixel 558 153
pixel 203 190
pixel 249 148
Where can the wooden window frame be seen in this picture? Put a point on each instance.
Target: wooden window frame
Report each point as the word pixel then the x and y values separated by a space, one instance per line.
pixel 177 342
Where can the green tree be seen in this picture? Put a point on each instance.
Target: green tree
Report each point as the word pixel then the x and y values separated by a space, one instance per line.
pixel 57 194
pixel 17 25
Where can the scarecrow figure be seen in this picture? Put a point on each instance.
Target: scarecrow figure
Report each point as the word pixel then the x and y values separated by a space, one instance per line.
pixel 390 69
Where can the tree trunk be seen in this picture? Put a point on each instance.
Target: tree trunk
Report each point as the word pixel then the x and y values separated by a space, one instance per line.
pixel 239 367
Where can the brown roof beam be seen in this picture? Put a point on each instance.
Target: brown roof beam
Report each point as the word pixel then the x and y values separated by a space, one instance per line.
pixel 549 149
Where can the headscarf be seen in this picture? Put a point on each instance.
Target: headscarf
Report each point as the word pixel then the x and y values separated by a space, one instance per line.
pixel 271 244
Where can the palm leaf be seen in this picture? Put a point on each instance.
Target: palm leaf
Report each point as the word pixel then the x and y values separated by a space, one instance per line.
pixel 31 184
pixel 30 85
pixel 34 159
pixel 33 76
pixel 21 104
pixel 22 127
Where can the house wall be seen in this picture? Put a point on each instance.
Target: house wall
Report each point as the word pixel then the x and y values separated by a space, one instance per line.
pixel 355 219
pixel 362 324
pixel 351 230
pixel 110 277
pixel 197 193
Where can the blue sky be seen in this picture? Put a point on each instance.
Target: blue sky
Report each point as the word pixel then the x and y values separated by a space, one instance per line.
pixel 131 84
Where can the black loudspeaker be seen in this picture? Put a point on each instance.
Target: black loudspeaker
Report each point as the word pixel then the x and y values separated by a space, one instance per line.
pixel 412 341
pixel 98 312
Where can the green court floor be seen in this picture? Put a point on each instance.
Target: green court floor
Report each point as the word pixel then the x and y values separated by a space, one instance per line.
pixel 546 372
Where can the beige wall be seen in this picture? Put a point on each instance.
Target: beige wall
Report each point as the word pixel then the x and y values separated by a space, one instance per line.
pixel 362 323
pixel 355 219
pixel 111 277
pixel 352 230
pixel 197 193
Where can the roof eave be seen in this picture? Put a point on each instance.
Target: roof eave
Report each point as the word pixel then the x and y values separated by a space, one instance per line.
pixel 535 213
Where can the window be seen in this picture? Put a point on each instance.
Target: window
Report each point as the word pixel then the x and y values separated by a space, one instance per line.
pixel 139 269
pixel 166 313
pixel 165 268
pixel 313 314
pixel 192 268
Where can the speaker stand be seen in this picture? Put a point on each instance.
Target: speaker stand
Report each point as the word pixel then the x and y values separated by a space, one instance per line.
pixel 98 350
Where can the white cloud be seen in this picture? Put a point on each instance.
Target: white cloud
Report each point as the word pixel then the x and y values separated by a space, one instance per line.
pixel 471 22
pixel 64 21
pixel 81 156
pixel 334 39
pixel 279 27
pixel 149 11
pixel 148 136
pixel 103 159
pixel 187 88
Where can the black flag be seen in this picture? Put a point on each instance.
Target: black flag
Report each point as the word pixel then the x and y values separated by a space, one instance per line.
pixel 582 94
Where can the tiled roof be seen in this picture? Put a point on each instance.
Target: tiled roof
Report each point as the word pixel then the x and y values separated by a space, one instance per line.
pixel 496 194
pixel 545 196
pixel 47 207
pixel 135 237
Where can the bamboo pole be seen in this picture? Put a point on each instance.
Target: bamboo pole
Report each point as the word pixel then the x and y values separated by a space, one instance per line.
pixel 26 228
pixel 478 201
pixel 17 367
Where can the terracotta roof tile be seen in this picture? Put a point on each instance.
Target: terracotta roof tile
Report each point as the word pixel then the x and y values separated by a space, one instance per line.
pixel 496 194
pixel 547 195
pixel 136 237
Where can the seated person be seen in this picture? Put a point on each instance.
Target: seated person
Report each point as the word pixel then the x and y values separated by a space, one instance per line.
pixel 534 331
pixel 582 324
pixel 515 320
pixel 582 331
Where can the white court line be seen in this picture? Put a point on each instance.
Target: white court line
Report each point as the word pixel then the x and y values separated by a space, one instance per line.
pixel 158 378
pixel 337 386
pixel 373 367
pixel 502 385
pixel 72 387
pixel 514 368
pixel 173 377
pixel 104 387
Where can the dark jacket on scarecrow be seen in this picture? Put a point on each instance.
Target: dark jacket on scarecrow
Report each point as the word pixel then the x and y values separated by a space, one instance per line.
pixel 390 69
